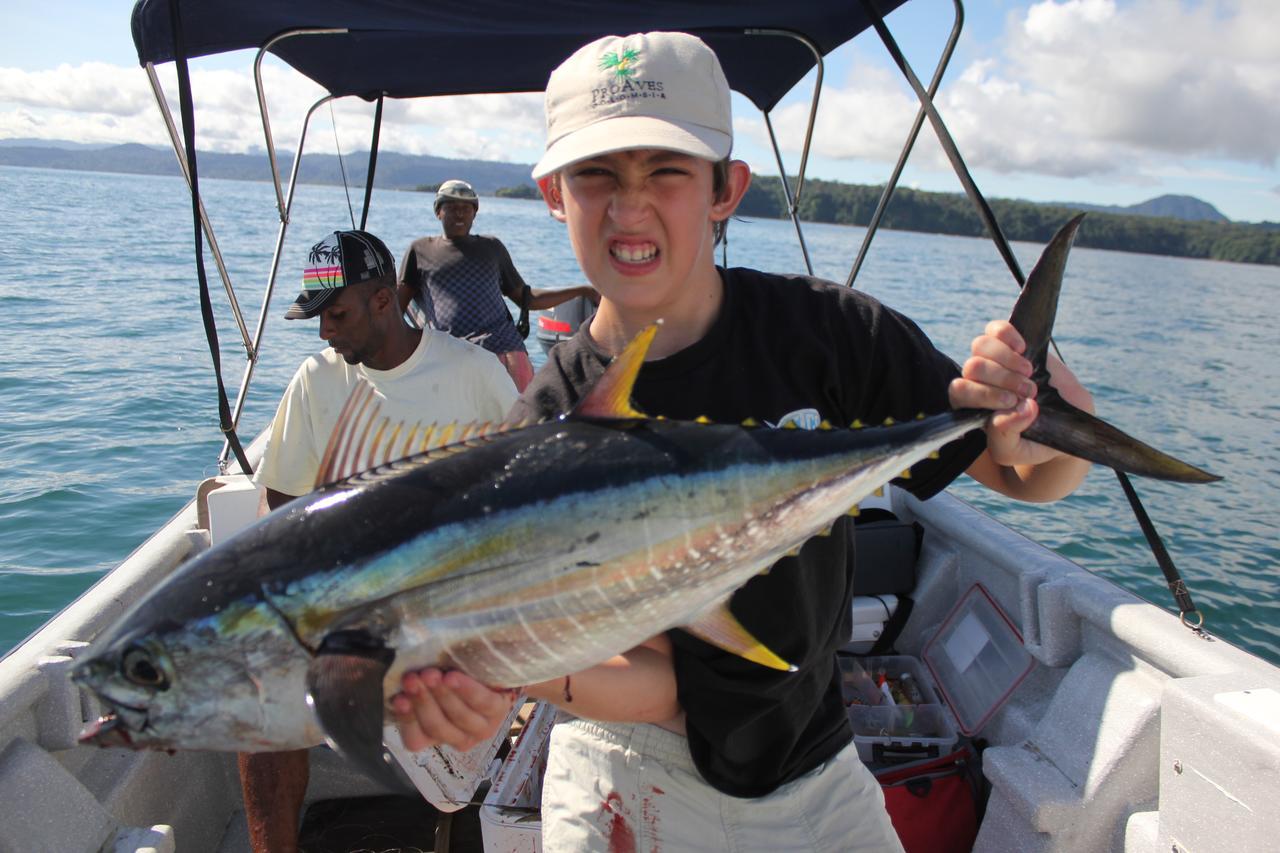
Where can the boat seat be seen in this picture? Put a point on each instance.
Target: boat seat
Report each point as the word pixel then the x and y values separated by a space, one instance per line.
pixel 227 504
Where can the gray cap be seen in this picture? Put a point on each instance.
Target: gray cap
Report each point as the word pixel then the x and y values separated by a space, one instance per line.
pixel 456 190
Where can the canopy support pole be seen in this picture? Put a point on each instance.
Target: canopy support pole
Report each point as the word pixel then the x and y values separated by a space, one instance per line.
pixel 175 139
pixel 874 225
pixel 274 270
pixel 373 162
pixel 948 144
pixel 281 207
pixel 186 104
pixel 793 205
pixel 793 201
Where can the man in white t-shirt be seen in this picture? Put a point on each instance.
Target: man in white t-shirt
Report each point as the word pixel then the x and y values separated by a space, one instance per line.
pixel 418 375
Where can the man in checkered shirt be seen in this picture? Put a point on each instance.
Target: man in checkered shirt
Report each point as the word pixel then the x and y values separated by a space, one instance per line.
pixel 458 280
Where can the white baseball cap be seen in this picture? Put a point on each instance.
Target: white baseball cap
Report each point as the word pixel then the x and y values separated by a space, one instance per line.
pixel 646 90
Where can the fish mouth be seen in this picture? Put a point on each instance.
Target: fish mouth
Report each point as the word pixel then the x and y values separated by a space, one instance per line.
pixel 116 727
pixel 107 730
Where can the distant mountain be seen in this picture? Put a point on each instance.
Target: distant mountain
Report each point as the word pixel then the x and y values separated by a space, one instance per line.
pixel 1185 207
pixel 393 170
pixel 50 143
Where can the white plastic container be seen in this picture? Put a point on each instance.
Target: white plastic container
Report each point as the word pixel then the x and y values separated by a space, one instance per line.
pixel 870 612
pixel 511 817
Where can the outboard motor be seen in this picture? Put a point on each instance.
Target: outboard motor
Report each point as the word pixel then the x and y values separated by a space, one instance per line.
pixel 559 323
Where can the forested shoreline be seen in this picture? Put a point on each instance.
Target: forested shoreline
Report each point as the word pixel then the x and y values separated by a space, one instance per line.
pixel 822 201
pixel 953 213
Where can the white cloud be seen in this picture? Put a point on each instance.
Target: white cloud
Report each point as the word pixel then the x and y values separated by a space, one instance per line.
pixel 1123 91
pixel 97 102
pixel 1082 87
pixel 94 87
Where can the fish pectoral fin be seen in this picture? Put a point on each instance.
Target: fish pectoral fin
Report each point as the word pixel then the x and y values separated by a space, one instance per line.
pixel 722 629
pixel 610 397
pixel 344 688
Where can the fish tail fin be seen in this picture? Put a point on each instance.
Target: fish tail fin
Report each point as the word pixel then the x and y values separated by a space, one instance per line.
pixel 1061 425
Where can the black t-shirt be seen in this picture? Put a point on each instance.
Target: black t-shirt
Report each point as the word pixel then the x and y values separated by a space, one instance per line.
pixel 782 348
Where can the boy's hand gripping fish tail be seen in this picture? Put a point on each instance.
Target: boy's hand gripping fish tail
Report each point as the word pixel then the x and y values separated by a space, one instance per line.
pixel 1061 425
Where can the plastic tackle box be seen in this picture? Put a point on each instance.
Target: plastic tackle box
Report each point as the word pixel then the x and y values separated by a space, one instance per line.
pixel 885 728
pixel 977 659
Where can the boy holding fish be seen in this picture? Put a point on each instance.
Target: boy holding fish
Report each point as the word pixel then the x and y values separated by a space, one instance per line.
pixel 677 743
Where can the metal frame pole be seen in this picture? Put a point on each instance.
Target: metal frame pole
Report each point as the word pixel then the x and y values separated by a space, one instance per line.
pixel 793 201
pixel 943 61
pixel 175 139
pixel 276 254
pixel 281 207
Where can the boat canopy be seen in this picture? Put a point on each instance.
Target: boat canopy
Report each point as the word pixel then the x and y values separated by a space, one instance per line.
pixel 414 48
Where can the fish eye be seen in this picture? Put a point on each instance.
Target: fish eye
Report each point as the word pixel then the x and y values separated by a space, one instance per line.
pixel 138 666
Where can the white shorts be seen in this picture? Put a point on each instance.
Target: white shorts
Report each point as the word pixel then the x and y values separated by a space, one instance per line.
pixel 634 787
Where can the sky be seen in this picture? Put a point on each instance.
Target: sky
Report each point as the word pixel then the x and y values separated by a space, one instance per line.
pixel 1094 101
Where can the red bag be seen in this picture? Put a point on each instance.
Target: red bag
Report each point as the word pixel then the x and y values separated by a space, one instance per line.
pixel 933 804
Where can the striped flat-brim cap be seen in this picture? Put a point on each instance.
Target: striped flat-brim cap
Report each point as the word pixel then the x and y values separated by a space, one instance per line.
pixel 340 259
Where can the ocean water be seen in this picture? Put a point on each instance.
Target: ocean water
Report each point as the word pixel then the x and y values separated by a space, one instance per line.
pixel 108 415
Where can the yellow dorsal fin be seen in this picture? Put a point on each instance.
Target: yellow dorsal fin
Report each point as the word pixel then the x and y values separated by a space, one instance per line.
pixel 334 462
pixel 721 629
pixel 442 437
pixel 363 440
pixel 423 444
pixel 391 441
pixel 359 459
pixel 410 438
pixel 377 443
pixel 610 397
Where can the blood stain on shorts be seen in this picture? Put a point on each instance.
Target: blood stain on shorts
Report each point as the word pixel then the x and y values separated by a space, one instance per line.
pixel 621 837
pixel 651 812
